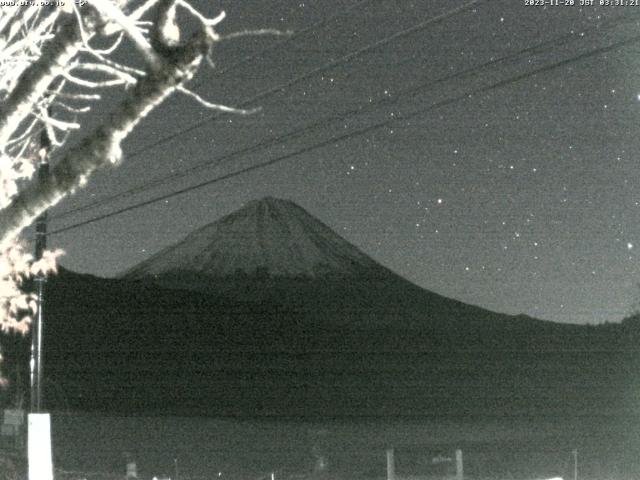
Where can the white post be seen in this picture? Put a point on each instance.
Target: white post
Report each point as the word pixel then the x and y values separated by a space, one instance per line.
pixel 132 470
pixel 39 446
pixel 575 464
pixel 459 465
pixel 391 464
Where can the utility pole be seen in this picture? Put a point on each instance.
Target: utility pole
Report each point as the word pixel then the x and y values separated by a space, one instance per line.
pixel 391 464
pixel 575 464
pixel 40 280
pixel 39 423
pixel 459 465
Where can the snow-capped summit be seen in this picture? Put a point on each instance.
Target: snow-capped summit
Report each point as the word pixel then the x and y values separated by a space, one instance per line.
pixel 270 236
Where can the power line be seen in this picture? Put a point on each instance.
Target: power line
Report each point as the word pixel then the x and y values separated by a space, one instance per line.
pixel 290 38
pixel 288 84
pixel 343 59
pixel 282 138
pixel 356 133
pixel 362 131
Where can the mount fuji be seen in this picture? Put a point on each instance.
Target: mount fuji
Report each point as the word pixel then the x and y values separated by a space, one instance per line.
pixel 275 254
pixel 267 311
pixel 266 237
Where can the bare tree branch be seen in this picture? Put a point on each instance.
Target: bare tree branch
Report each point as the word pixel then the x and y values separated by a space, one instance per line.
pixel 35 80
pixel 103 146
pixel 44 53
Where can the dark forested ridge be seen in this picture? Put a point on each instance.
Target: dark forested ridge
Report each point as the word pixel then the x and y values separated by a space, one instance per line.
pixel 331 346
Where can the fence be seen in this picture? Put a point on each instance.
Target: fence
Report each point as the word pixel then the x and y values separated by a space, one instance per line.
pixel 404 463
pixel 448 463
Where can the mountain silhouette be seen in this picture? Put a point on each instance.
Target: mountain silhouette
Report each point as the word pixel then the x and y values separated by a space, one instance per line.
pixel 266 237
pixel 267 312
pixel 275 254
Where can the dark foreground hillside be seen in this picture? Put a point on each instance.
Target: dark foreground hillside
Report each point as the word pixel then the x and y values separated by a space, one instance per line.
pixel 122 346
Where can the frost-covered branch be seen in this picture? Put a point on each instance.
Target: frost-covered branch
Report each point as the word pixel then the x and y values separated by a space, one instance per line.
pixel 36 79
pixel 215 106
pixel 253 33
pixel 111 12
pixel 51 74
pixel 103 146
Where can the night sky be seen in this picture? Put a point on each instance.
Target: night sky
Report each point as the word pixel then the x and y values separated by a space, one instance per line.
pixel 514 191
